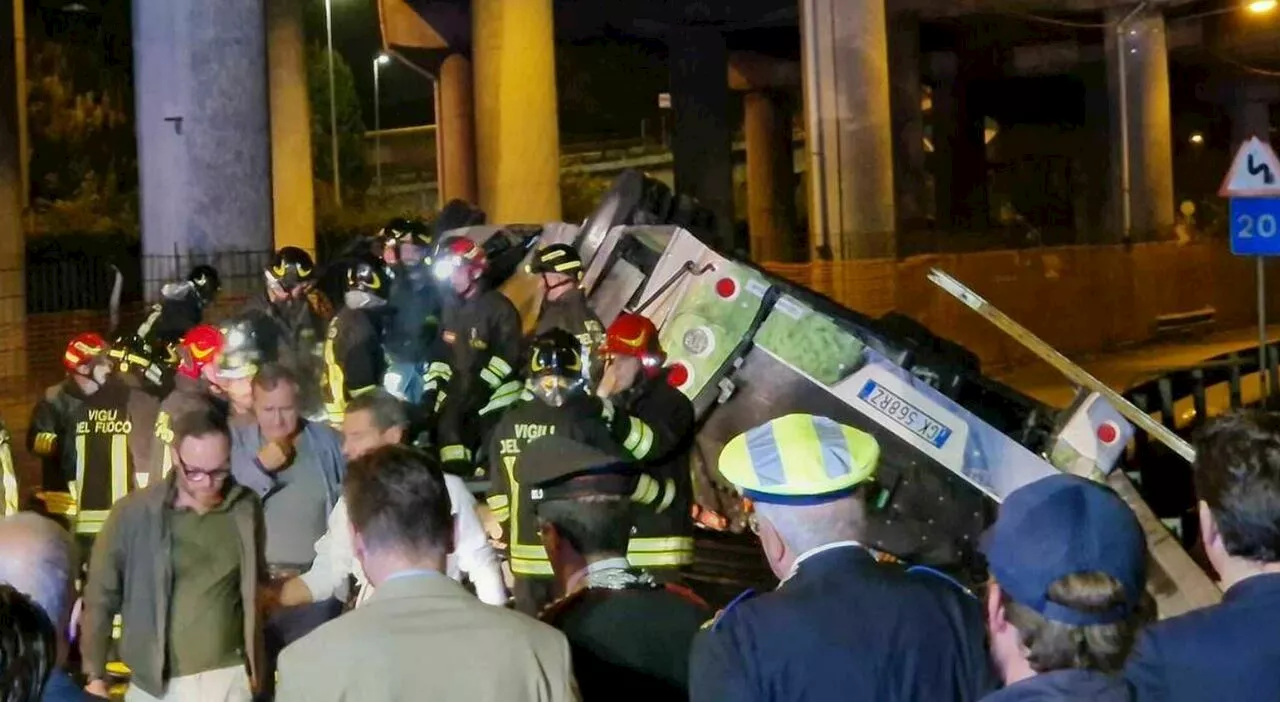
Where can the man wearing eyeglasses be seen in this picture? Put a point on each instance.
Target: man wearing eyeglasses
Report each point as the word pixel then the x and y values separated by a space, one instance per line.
pixel 181 562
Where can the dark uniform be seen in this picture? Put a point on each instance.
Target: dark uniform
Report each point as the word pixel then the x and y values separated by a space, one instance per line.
pixel 288 333
pixel 483 339
pixel 1225 652
pixel 108 452
pixel 572 313
pixel 49 434
pixel 181 307
pixel 353 359
pixel 526 422
pixel 654 422
pixel 629 635
pixel 842 625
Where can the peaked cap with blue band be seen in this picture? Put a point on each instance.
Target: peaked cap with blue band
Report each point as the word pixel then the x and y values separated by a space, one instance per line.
pixel 799 459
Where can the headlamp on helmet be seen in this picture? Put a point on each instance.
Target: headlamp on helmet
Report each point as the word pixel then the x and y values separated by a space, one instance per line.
pixel 460 253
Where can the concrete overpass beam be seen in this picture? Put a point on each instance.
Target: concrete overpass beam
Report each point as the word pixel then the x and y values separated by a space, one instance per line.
pixel 771 210
pixel 203 127
pixel 516 125
pixel 13 299
pixel 1139 54
pixel 908 119
pixel 1251 111
pixel 849 127
pixel 292 180
pixel 702 138
pixel 456 131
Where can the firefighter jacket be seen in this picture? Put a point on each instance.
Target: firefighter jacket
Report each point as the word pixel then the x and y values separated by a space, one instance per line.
pixel 353 358
pixel 655 423
pixel 9 497
pixel 177 312
pixel 291 334
pixel 481 340
pixel 414 323
pixel 49 434
pixel 107 451
pixel 572 314
pixel 189 395
pixel 581 419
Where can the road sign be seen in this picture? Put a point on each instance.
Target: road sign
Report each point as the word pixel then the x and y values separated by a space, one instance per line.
pixel 1255 172
pixel 1255 226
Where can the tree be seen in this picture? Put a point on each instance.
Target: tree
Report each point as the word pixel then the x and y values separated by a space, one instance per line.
pixel 355 174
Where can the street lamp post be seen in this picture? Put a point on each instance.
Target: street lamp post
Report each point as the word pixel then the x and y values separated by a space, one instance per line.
pixel 378 62
pixel 333 105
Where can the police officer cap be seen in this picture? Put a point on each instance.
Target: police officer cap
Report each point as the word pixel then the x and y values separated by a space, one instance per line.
pixel 799 459
pixel 557 258
pixel 1059 526
pixel 560 469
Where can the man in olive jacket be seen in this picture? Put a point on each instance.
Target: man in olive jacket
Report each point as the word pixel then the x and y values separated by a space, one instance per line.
pixel 181 561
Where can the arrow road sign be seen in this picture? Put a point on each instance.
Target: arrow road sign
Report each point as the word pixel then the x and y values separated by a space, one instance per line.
pixel 1255 172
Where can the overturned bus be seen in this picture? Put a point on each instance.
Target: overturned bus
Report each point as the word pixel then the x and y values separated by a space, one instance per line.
pixel 746 346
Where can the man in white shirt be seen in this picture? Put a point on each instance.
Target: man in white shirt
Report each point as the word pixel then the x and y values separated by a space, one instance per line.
pixel 374 420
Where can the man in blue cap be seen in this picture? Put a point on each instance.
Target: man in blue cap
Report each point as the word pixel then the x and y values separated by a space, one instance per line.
pixel 1229 651
pixel 1068 564
pixel 841 625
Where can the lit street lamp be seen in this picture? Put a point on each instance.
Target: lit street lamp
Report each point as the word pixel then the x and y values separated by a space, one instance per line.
pixel 378 62
pixel 333 104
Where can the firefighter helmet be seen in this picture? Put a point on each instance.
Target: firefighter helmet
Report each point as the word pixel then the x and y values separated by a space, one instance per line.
pixel 635 335
pixel 407 231
pixel 460 252
pixel 83 350
pixel 556 368
pixel 369 277
pixel 199 347
pixel 205 281
pixel 291 268
pixel 557 258
pixel 240 354
pixel 132 354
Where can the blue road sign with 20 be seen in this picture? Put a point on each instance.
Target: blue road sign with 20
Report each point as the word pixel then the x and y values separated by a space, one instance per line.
pixel 1255 226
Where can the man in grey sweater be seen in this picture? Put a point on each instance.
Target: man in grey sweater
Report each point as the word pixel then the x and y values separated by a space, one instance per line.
pixel 296 468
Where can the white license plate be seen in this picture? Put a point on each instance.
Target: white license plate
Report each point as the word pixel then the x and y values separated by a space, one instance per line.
pixel 908 415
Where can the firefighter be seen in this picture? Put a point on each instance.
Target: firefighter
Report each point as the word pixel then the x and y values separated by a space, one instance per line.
pixel 109 433
pixel 415 302
pixel 195 388
pixel 181 307
pixel 655 423
pixel 354 361
pixel 50 433
pixel 564 304
pixel 481 340
pixel 289 320
pixel 236 366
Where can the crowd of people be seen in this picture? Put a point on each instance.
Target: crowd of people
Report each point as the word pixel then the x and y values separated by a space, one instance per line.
pixel 284 507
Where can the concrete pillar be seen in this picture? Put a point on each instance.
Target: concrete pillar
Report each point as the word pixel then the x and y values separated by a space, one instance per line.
pixel 959 142
pixel 517 132
pixel 455 127
pixel 702 138
pixel 771 206
pixel 1251 111
pixel 204 148
pixel 908 119
pixel 1139 52
pixel 849 129
pixel 291 173
pixel 13 299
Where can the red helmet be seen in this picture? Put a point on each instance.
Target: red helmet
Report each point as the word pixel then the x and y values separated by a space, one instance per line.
pixel 635 335
pixel 83 351
pixel 199 347
pixel 463 252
